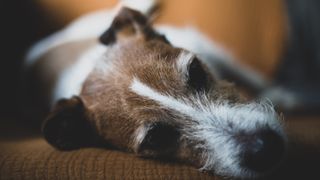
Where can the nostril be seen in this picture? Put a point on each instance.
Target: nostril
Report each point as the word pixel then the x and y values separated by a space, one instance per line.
pixel 262 151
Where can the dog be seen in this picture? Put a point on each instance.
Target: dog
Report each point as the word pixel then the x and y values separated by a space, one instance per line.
pixel 110 77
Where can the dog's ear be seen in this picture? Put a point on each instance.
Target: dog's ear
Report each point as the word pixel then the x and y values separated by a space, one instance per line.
pixel 157 139
pixel 128 23
pixel 66 127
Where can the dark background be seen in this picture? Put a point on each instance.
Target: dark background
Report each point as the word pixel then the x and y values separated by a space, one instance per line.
pixel 22 23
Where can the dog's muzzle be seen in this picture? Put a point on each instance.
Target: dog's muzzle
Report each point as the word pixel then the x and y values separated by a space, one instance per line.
pixel 262 150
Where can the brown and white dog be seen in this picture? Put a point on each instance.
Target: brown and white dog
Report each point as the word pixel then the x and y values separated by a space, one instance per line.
pixel 157 92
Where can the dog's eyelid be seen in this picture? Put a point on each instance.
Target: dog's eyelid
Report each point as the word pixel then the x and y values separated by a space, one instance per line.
pixel 160 138
pixel 197 77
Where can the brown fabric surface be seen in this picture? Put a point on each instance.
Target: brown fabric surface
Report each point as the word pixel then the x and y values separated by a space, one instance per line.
pixel 33 159
pixel 26 156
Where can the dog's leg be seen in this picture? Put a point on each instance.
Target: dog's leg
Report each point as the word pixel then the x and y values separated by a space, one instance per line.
pixel 66 80
pixel 88 26
pixel 146 7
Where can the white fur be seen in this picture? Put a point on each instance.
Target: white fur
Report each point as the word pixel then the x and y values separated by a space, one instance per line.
pixel 69 83
pixel 94 24
pixel 192 39
pixel 105 65
pixel 139 136
pixel 88 26
pixel 212 54
pixel 85 27
pixel 71 79
pixel 210 124
pixel 144 6
pixel 208 119
pixel 184 61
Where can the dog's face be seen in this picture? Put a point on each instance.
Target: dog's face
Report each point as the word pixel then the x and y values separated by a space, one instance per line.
pixel 156 100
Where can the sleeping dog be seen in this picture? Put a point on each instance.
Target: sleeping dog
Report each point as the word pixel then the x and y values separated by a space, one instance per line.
pixel 154 91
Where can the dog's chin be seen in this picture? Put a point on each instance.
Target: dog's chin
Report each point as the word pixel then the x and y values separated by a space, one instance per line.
pixel 238 171
pixel 253 158
pixel 245 173
pixel 231 173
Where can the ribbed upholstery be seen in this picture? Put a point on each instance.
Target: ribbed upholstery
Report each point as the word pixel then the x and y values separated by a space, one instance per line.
pixel 26 156
pixel 34 159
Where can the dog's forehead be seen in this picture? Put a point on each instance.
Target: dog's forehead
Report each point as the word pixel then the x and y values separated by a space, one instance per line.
pixel 138 47
pixel 153 62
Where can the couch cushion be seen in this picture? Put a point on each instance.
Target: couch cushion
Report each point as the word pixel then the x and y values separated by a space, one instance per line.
pixel 24 155
pixel 32 158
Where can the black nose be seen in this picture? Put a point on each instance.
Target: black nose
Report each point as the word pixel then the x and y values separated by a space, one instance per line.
pixel 262 150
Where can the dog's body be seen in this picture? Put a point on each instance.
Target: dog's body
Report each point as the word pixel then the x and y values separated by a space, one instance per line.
pixel 144 90
pixel 72 51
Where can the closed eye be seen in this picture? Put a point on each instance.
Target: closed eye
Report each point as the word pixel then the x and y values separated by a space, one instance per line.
pixel 197 76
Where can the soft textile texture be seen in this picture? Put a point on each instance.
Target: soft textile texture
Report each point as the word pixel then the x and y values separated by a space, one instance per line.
pixel 24 155
pixel 35 159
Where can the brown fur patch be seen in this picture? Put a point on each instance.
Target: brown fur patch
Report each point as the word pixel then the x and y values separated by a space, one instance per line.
pixel 116 111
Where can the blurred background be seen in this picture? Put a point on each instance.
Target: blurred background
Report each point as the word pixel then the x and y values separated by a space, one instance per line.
pixel 277 38
pixel 254 31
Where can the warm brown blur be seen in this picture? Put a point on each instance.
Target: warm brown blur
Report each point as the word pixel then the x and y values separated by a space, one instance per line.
pixel 253 30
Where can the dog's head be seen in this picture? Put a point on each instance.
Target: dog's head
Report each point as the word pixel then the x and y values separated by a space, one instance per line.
pixel 149 97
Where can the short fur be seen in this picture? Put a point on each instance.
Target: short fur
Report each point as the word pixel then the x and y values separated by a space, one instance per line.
pixel 139 92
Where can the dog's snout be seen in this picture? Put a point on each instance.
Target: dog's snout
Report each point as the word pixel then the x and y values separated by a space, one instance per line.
pixel 262 150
